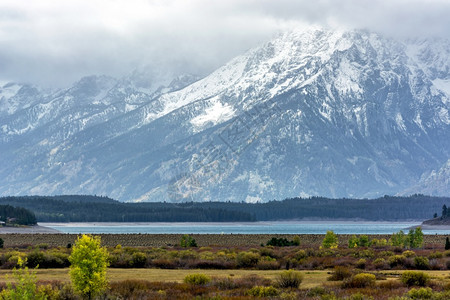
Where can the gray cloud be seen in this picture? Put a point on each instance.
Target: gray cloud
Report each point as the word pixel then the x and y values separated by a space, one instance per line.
pixel 56 42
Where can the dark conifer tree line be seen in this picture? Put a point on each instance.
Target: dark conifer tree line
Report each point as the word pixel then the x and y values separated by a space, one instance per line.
pixel 102 209
pixel 16 215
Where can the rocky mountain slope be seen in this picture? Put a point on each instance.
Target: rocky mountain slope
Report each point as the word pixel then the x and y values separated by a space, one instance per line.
pixel 313 112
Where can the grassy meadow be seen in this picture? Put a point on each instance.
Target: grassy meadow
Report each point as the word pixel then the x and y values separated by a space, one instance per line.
pixel 241 266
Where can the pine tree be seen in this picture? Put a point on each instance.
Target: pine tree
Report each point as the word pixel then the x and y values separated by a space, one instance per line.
pixel 447 244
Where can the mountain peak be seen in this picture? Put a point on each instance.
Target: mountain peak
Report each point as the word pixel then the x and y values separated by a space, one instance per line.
pixel 337 113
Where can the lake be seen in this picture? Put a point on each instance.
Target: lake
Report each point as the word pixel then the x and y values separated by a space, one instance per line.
pixel 286 227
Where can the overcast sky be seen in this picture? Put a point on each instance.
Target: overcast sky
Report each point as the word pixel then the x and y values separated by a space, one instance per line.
pixel 54 43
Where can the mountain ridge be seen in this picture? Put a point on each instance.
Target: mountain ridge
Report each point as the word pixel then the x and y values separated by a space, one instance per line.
pixel 313 112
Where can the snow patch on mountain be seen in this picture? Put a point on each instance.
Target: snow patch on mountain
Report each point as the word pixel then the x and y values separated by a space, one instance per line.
pixel 216 113
pixel 8 90
pixel 443 85
pixel 435 182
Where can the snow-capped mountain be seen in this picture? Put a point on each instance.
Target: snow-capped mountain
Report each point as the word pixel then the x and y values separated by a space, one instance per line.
pixel 434 183
pixel 313 112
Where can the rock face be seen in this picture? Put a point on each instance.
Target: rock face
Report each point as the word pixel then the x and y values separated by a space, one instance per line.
pixel 313 112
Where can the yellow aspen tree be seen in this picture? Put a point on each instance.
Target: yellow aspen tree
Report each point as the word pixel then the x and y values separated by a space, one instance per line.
pixel 89 262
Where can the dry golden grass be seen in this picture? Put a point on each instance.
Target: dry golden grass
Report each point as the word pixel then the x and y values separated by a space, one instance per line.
pixel 311 278
pixel 436 275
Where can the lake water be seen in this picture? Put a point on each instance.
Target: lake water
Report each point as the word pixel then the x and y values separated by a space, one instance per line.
pixel 293 227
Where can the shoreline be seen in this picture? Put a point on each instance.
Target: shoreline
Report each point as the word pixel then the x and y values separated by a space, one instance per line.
pixel 34 229
pixel 302 221
pixel 434 227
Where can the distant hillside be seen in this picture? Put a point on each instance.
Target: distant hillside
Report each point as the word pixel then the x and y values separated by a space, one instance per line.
pixel 444 219
pixel 102 209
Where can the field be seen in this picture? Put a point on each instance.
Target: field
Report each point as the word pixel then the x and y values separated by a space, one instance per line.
pixel 241 266
pixel 313 281
pixel 163 240
pixel 312 278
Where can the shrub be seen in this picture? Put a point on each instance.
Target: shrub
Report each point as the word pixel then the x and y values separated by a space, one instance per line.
pixel 360 296
pixel 390 285
pixel 197 279
pixel 282 242
pixel 55 259
pixel 289 279
pixel 263 291
pixel 421 263
pixel 448 264
pixel 129 289
pixel 361 264
pixel 386 253
pixel 138 260
pixel 67 292
pixel 378 242
pixel 397 260
pixel 211 264
pixel 224 283
pixel 366 253
pixel 268 265
pixel 436 254
pixel 47 291
pixel 415 278
pixel 316 291
pixel 379 263
pixel 35 258
pixel 42 246
pixel 25 286
pixel 251 281
pixel 330 296
pixel 13 258
pixel 190 254
pixel 267 251
pixel 330 240
pixel 340 273
pixel 247 259
pixel 436 264
pixel 409 253
pixel 291 295
pixel 300 254
pixel 360 280
pixel 163 263
pixel 421 293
